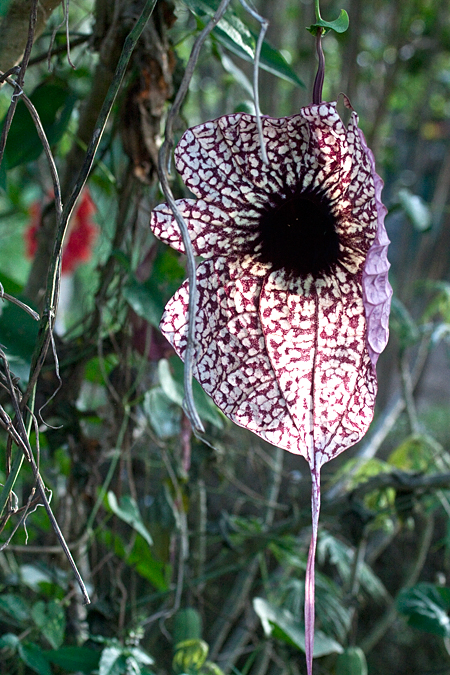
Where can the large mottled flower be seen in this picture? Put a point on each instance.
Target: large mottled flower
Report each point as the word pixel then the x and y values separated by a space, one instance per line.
pixel 293 292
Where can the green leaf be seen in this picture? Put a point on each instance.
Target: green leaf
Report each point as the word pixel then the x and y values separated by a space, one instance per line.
pixel 9 285
pixel 280 623
pixel 74 659
pixel 440 304
pixel 9 641
pixel 230 24
pixel 144 301
pixel 141 657
pixel 416 453
pixel 14 608
pixel 149 298
pixel 128 511
pixel 112 662
pixel 162 413
pixel 334 551
pixel 416 209
pixel 233 34
pixel 351 662
pixel 33 576
pixel 34 658
pixel 18 334
pixel 403 324
pixel 54 103
pixel 49 618
pixel 426 607
pixel 4 6
pixel 145 564
pixel 339 25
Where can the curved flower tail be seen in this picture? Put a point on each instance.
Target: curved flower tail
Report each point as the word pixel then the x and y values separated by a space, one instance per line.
pixel 310 570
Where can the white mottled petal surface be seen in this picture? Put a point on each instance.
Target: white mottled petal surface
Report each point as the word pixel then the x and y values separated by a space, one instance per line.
pixel 210 230
pixel 232 364
pixel 291 359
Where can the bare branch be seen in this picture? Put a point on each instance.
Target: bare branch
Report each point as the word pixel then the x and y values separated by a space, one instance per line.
pixel 164 160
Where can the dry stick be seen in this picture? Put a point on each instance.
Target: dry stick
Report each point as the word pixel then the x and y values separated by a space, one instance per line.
pixel 50 301
pixel 264 26
pixel 51 297
pixel 164 158
pixel 22 433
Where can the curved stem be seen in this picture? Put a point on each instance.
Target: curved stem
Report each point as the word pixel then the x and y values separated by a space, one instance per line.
pixel 320 75
pixel 317 10
pixel 164 158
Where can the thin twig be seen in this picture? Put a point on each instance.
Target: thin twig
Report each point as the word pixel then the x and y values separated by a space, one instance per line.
pixel 19 303
pixel 164 159
pixel 52 290
pixel 22 434
pixel 45 144
pixel 264 26
pixel 21 438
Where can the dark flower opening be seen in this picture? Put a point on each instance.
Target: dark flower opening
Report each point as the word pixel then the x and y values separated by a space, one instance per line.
pixel 299 235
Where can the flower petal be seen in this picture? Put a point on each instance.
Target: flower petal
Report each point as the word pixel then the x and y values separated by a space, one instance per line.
pixel 211 231
pixel 232 364
pixel 220 161
pixel 315 339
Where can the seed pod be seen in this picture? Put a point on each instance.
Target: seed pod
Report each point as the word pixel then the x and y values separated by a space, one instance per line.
pixel 187 625
pixel 189 656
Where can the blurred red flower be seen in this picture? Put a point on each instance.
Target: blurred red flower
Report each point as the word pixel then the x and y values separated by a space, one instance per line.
pixel 80 238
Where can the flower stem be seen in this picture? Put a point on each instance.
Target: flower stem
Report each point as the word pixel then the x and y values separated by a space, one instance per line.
pixel 310 571
pixel 320 75
pixel 317 9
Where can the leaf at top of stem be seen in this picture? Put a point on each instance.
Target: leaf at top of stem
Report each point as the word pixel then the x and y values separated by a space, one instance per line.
pixel 339 25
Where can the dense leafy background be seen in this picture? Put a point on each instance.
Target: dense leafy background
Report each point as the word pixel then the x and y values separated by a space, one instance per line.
pixel 179 540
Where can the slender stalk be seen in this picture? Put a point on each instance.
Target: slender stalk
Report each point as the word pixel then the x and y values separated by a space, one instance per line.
pixel 264 26
pixel 317 10
pixel 320 75
pixel 164 159
pixel 310 571
pixel 52 291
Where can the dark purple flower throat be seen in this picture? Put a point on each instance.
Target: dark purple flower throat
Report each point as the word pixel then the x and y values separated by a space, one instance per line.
pixel 298 234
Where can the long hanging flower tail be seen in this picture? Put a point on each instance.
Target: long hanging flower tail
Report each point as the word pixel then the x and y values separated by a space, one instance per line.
pixel 310 573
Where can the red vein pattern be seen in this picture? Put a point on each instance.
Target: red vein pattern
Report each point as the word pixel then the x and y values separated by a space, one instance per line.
pixel 289 359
